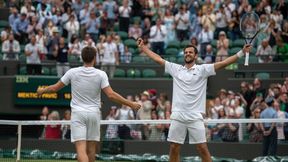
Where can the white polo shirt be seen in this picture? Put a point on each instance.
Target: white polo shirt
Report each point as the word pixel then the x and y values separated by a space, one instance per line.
pixel 189 90
pixel 86 85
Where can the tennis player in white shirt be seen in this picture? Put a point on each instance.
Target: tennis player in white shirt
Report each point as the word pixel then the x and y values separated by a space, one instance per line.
pixel 189 98
pixel 86 85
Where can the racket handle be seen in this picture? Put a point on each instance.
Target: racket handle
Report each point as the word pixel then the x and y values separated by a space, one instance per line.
pixel 246 63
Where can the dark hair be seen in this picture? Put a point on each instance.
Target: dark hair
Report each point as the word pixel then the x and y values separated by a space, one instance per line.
pixel 88 54
pixel 195 48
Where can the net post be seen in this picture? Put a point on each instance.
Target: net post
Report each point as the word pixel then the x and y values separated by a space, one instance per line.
pixel 19 142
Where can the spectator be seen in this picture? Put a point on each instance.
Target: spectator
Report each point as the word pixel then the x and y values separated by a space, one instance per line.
pixel 264 52
pixel 127 56
pixel 215 134
pixel 77 6
pixel 61 53
pixel 282 7
pixel 5 33
pixel 10 48
pixel 258 87
pixel 168 20
pixel 121 48
pixel 33 62
pixel 145 113
pixel 281 49
pixel 279 126
pixel 209 56
pixel 83 17
pixel 156 130
pixel 284 32
pixel 110 7
pixel 53 131
pixel 110 58
pixel 112 129
pixel 124 113
pixel 272 31
pixel 52 42
pixel 124 16
pixel 72 27
pixel 146 28
pixel 20 26
pixel 103 23
pixel 33 26
pixel 205 38
pixel 65 128
pixel 208 20
pixel 256 102
pixel 182 23
pixel 157 37
pixel 135 31
pixel 269 130
pixel 277 17
pixel 101 48
pixel 229 132
pixel 13 16
pixel 44 116
pixel 28 8
pixel 161 108
pixel 233 26
pixel 254 129
pixel 195 43
pixel 75 46
pixel 216 108
pixel 222 47
pixel 92 26
pixel 247 95
pixel 41 40
pixel 222 20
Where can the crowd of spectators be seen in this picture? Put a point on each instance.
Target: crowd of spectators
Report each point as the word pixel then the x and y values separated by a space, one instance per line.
pixel 253 101
pixel 63 28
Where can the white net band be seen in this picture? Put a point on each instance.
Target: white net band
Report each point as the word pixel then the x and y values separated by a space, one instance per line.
pixel 118 122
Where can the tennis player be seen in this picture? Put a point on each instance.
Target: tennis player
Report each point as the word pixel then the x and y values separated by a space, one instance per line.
pixel 86 84
pixel 189 98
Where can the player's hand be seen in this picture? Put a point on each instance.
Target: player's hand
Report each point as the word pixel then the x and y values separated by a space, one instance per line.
pixel 247 48
pixel 135 106
pixel 40 91
pixel 140 42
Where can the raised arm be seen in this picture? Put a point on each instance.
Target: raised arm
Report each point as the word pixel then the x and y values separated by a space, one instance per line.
pixel 113 96
pixel 150 53
pixel 232 59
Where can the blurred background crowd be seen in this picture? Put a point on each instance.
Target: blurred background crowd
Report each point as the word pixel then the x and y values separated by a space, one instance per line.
pixel 41 30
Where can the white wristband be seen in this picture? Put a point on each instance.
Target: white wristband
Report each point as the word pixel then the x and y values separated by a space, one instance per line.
pixel 240 54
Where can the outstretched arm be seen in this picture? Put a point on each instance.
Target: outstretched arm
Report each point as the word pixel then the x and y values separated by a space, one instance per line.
pixel 52 88
pixel 150 53
pixel 113 96
pixel 232 59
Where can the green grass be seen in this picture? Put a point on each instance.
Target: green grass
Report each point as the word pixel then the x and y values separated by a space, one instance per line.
pixel 38 160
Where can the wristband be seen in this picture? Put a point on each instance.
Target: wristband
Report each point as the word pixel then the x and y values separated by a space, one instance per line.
pixel 240 54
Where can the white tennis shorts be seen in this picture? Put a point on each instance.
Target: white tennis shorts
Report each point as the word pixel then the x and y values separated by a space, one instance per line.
pixel 85 126
pixel 178 130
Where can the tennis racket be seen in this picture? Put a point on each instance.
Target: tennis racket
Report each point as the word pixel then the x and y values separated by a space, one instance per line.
pixel 249 27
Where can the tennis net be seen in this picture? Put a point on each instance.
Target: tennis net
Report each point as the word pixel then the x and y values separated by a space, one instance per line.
pixel 121 139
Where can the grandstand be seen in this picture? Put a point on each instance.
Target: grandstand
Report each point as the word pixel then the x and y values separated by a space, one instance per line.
pixel 42 39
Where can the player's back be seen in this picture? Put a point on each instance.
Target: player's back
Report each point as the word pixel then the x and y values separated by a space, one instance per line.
pixel 86 85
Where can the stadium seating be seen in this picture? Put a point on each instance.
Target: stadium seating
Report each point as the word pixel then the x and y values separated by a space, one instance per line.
pixel 184 43
pixel 131 43
pixel 123 35
pixel 119 73
pixel 133 73
pixel 173 44
pixel 148 73
pixel 171 51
